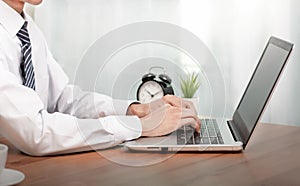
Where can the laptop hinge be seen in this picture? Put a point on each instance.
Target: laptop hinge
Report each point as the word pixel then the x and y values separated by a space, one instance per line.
pixel 234 131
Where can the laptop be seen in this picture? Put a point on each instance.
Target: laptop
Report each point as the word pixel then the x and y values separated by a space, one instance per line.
pixel 217 134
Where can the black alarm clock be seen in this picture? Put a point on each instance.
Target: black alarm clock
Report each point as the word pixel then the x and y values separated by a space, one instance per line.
pixel 153 88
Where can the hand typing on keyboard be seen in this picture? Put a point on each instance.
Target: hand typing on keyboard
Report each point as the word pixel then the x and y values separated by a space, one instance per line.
pixel 209 134
pixel 166 115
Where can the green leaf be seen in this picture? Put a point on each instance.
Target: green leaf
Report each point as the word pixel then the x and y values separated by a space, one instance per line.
pixel 190 84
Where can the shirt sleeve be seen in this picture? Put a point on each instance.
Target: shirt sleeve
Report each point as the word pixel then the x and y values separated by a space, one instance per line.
pixel 27 124
pixel 83 104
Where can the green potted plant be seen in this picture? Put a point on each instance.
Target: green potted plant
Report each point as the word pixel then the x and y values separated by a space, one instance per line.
pixel 189 86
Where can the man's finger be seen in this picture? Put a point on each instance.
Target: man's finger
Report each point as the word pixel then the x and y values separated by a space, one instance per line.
pixel 190 122
pixel 189 113
pixel 178 102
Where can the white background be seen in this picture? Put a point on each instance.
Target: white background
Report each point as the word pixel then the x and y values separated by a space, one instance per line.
pixel 235 32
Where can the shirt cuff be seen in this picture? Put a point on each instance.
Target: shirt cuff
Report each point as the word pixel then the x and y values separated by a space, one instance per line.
pixel 121 106
pixel 124 128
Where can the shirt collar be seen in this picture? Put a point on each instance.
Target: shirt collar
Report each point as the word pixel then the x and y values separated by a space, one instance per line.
pixel 11 20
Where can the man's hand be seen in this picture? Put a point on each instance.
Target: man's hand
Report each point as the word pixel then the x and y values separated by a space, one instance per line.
pixel 167 119
pixel 142 110
pixel 165 115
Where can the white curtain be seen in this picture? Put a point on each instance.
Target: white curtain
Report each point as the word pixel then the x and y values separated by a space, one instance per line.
pixel 235 32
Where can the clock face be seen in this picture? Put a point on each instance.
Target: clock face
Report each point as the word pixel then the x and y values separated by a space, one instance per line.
pixel 150 91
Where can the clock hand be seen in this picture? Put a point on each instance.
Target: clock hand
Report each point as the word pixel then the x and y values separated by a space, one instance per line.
pixel 149 93
pixel 156 93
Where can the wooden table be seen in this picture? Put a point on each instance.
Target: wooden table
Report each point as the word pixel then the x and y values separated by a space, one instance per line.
pixel 271 158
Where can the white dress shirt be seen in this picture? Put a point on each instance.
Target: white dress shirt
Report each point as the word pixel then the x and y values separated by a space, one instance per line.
pixel 56 118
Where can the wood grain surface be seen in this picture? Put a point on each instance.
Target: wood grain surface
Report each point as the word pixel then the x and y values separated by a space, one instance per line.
pixel 272 158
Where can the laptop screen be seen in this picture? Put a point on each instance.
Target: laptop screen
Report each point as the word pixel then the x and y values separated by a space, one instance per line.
pixel 260 87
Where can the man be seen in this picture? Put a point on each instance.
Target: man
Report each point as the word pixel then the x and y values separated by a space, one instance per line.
pixel 40 113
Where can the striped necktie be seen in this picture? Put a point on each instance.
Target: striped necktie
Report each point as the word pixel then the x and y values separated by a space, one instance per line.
pixel 26 64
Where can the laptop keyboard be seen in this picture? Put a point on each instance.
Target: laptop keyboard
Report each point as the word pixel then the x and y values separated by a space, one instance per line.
pixel 209 134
